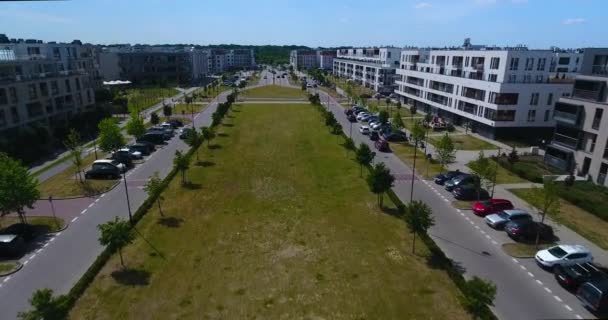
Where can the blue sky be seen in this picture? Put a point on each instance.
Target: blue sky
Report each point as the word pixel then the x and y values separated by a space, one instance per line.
pixel 536 23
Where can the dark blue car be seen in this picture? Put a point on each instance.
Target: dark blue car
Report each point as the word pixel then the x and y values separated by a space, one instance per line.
pixel 441 178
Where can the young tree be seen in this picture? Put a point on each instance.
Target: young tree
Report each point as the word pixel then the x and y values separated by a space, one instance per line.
pixel 383 116
pixel 45 306
pixel 154 186
pixel 418 218
pixel 485 172
pixel 413 111
pixel 154 119
pixel 115 235
pixel 349 144
pixel 194 139
pixel 380 180
pixel 416 135
pixel 479 294
pixel 364 157
pixel 181 163
pixel 546 201
pixel 135 126
pixel 397 122
pixel 18 188
pixel 445 151
pixel 207 134
pixel 167 110
pixel 110 137
pixel 398 105
pixel 72 142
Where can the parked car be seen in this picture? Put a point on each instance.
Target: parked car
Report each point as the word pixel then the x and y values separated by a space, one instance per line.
pixel 484 208
pixel 11 245
pixel 563 255
pixel 527 229
pixel 144 148
pixel 359 110
pixel 183 133
pixel 460 181
pixel 23 230
pixel 469 192
pixel 376 125
pixel 593 294
pixel 106 169
pixel 352 118
pixel 374 136
pixel 441 178
pixel 362 116
pixel 396 136
pixel 160 130
pixel 571 277
pixel 168 125
pixel 176 123
pixel 364 129
pixel 371 119
pixel 126 153
pixel 348 111
pixel 382 145
pixel 152 137
pixel 122 156
pixel 498 220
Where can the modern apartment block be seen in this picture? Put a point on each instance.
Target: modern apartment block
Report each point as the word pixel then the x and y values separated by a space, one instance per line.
pixel 580 141
pixel 42 85
pixel 311 59
pixel 499 92
pixel 150 64
pixel 370 67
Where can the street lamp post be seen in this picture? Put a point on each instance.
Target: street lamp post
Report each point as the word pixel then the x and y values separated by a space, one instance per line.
pixel 350 134
pixel 124 178
pixel 53 211
pixel 413 172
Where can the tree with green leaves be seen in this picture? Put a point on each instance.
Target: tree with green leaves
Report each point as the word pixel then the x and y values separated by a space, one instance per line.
pixel 18 188
pixel 349 144
pixel 154 119
pixel 115 235
pixel 135 126
pixel 73 143
pixel 45 306
pixel 181 163
pixel 485 171
pixel 383 116
pixel 167 110
pixel 110 137
pixel 364 157
pixel 397 122
pixel 207 134
pixel 380 180
pixel 445 151
pixel 479 295
pixel 413 111
pixel 417 134
pixel 155 186
pixel 418 217
pixel 194 140
pixel 546 201
pixel 398 105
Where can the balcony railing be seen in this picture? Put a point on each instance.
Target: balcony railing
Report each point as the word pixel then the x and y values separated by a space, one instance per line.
pixel 565 117
pixel 586 94
pixel 556 162
pixel 600 69
pixel 565 141
pixel 601 179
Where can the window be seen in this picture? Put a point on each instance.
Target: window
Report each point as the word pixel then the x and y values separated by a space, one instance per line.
pixel 54 88
pixel 89 96
pixel 564 60
pixel 547 115
pixel 531 115
pixel 44 89
pixel 3 96
pixel 597 118
pixel 77 84
pixel 68 87
pixel 503 98
pixel 49 106
pixel 550 99
pixel 512 78
pixel 494 63
pixel 529 64
pixel 466 61
pixel 15 114
pixel 527 78
pixel 32 93
pixel 514 65
pixel 12 93
pixel 534 99
pixel 492 77
pixel 505 115
pixel 540 66
pixel 539 78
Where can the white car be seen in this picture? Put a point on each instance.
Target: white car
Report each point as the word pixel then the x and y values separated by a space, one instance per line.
pixel 135 155
pixel 361 115
pixel 563 255
pixel 364 130
pixel 376 126
pixel 365 117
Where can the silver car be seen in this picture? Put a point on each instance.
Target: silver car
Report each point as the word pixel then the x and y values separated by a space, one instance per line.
pixel 498 220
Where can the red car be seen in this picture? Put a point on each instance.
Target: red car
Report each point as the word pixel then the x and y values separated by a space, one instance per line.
pixel 486 207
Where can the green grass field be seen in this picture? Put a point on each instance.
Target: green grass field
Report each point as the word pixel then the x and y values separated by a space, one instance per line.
pixel 188 109
pixel 273 91
pixel 143 98
pixel 504 176
pixel 277 225
pixel 464 142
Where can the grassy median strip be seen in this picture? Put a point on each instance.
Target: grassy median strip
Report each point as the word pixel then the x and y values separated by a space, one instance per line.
pixel 424 167
pixel 41 224
pixel 276 223
pixel 273 91
pixel 465 142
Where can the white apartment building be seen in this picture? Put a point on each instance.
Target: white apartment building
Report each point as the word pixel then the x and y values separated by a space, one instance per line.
pixel 370 67
pixel 580 140
pixel 499 92
pixel 42 85
pixel 303 59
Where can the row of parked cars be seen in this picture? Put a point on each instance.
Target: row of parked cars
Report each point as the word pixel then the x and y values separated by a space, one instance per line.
pixel 381 133
pixel 572 265
pixel 120 161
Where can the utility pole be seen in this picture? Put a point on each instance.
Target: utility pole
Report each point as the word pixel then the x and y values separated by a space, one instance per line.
pixel 124 178
pixel 53 211
pixel 413 172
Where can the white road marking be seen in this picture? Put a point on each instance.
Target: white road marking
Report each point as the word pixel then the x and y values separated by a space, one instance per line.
pixel 58 234
pixel 75 218
pixel 446 200
pixel 522 267
pixel 548 290
pixel 578 317
pixel 458 210
pixel 103 195
pixel 514 260
pixel 467 218
pixel 567 307
pixel 39 250
pixel 476 227
pixel 52 239
pixel 557 298
pixel 83 211
pixel 92 204
pixel 7 279
pixel 539 282
pixel 96 200
pixel 482 232
pixel 488 236
pixel 32 257
pixel 45 245
pixel 530 274
pixel 494 242
pixel 462 214
pixel 25 262
pixel 473 223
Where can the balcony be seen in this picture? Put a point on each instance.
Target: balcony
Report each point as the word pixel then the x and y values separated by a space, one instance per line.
pixel 601 179
pixel 600 69
pixel 586 94
pixel 556 162
pixel 566 118
pixel 566 141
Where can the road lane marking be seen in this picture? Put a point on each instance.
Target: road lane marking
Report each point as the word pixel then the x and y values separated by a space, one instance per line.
pixel 46 244
pixel 476 227
pixel 567 307
pixel 92 204
pixel 7 278
pixel 458 210
pixel 446 200
pixel 539 282
pixel 557 298
pixel 462 214
pixel 473 223
pixel 32 257
pixel 96 200
pixel 103 195
pixel 58 234
pixel 488 236
pixel 514 260
pixel 578 317
pixel 530 274
pixel 52 239
pixel 75 218
pixel 25 262
pixel 467 218
pixel 522 267
pixel 547 289
pixel 39 250
pixel 494 242
pixel 83 211
pixel 482 232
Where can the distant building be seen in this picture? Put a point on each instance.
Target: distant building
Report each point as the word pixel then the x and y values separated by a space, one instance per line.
pixel 580 140
pixel 372 68
pixel 42 85
pixel 499 92
pixel 326 59
pixel 312 59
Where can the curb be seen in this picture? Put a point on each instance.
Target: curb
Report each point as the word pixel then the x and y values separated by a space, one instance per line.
pixel 19 266
pixel 82 197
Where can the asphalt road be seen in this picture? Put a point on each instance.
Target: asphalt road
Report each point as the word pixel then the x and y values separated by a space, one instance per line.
pixel 524 291
pixel 60 260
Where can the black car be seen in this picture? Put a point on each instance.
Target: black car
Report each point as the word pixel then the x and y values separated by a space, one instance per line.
pixel 175 123
pixel 594 294
pixel 103 171
pixel 396 136
pixel 124 157
pixel 152 137
pixel 348 112
pixel 184 133
pixel 24 230
pixel 352 118
pixel 461 180
pixel 382 145
pixel 571 277
pixel 374 136
pixel 469 192
pixel 441 178
pixel 357 111
pixel 144 148
pixel 527 229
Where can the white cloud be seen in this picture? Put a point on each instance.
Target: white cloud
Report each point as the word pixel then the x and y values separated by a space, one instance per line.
pixel 422 5
pixel 574 21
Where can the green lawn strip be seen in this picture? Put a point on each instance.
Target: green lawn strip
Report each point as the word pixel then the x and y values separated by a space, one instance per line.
pixel 465 142
pixel 267 228
pixel 588 225
pixel 524 250
pixel 43 224
pixel 146 97
pixel 531 168
pixel 463 205
pixel 504 176
pixel 8 266
pixel 187 109
pixel 273 91
pixel 64 184
pixel 424 167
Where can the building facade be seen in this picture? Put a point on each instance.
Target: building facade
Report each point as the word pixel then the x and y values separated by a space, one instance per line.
pixel 498 92
pixel 304 59
pixel 373 68
pixel 42 85
pixel 580 140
